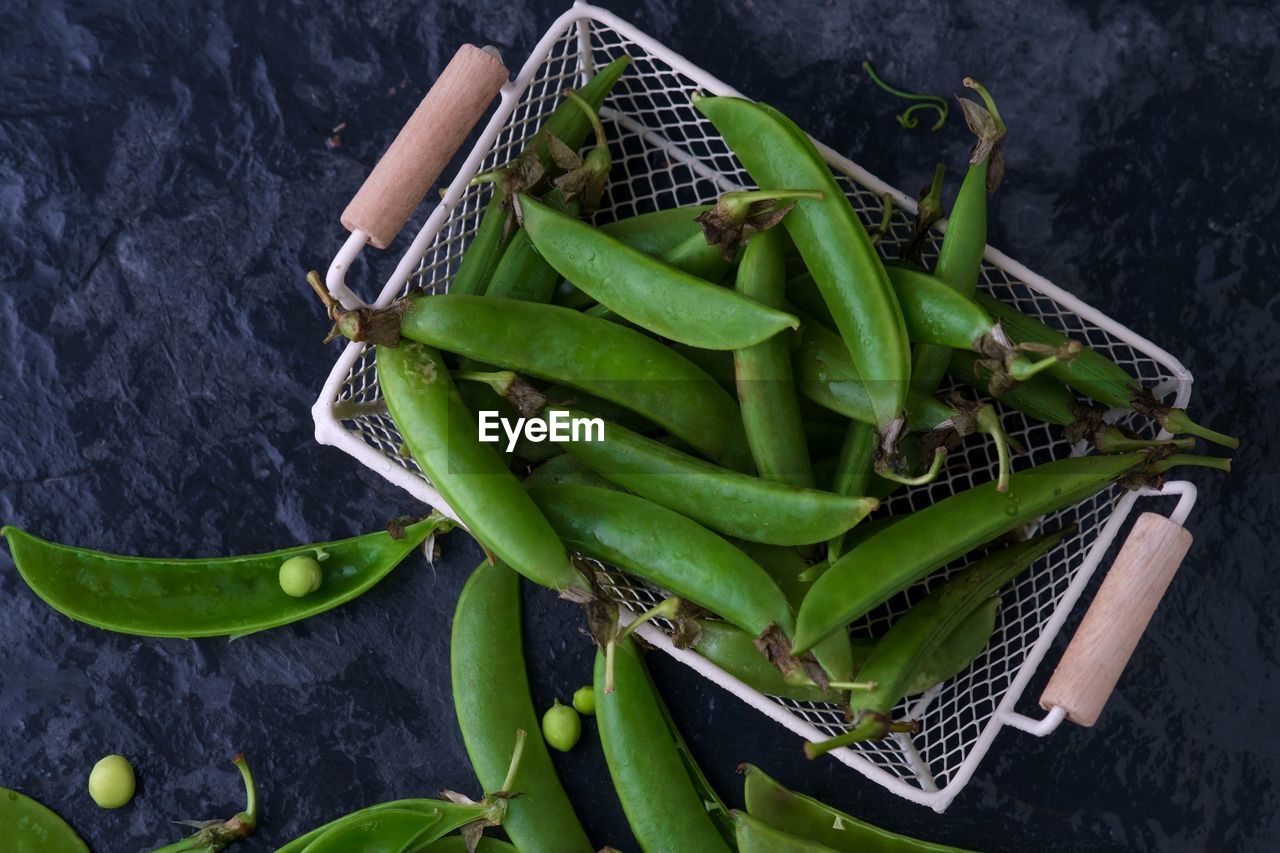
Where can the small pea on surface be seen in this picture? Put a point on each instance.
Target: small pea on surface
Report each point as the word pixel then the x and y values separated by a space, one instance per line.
pixel 584 700
pixel 561 727
pixel 111 782
pixel 300 576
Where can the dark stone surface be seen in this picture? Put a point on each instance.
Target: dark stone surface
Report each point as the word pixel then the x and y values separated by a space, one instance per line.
pixel 164 180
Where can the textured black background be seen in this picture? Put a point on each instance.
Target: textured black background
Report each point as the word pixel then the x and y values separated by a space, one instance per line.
pixel 164 181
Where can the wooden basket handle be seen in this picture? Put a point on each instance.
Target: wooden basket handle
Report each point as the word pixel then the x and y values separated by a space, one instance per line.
pixel 1105 640
pixel 425 144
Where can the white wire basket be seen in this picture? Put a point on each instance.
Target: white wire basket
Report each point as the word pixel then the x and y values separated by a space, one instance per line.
pixel 666 154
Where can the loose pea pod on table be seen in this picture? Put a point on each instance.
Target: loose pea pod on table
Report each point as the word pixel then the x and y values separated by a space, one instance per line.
pixel 28 826
pixel 567 124
pixel 218 596
pixel 892 559
pixel 1100 378
pixel 492 698
pixel 645 290
pixel 727 501
pixel 755 836
pixel 833 242
pixel 593 355
pixel 664 807
pixel 1045 398
pixel 803 816
pixel 656 544
pixel 904 653
pixel 219 834
pixel 441 434
pixel 412 823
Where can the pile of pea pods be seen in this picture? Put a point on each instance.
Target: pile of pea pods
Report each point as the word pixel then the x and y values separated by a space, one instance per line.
pixel 765 378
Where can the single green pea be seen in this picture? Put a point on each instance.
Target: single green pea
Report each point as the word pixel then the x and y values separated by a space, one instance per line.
pixel 300 576
pixel 584 700
pixel 111 782
pixel 561 727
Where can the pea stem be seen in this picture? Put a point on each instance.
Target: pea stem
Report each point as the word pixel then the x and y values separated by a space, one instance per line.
pixel 250 814
pixel 1177 421
pixel 514 766
pixel 871 726
pixel 1021 369
pixel 592 116
pixel 886 216
pixel 1218 463
pixel 990 102
pixel 906 118
pixel 668 608
pixel 989 422
pixel 887 473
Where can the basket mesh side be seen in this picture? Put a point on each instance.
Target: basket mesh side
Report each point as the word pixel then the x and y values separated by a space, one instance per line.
pixel 666 154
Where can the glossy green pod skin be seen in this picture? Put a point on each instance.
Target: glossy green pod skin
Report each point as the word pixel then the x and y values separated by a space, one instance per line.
pixel 601 358
pixel 962 647
pixel 27 826
pixel 214 597
pixel 570 125
pixel 762 373
pixel 831 239
pixel 655 544
pixel 1093 374
pixel 729 502
pixel 664 808
pixel 903 654
pixel 734 650
pixel 441 434
pixel 492 699
pixel 567 469
pixel 395 825
pixel 803 816
pixel 660 231
pixel 645 290
pixel 936 314
pixel 756 836
pixel 902 553
pixel 458 844
pixel 855 467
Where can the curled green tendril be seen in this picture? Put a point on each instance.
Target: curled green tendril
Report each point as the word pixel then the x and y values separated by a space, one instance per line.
pixel 907 118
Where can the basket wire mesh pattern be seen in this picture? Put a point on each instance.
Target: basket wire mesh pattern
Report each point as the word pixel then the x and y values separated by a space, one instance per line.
pixel 665 155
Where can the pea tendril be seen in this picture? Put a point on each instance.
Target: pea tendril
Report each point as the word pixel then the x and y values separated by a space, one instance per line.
pixel 907 118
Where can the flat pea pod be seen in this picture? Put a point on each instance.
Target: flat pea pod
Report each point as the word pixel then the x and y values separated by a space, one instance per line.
pixel 831 239
pixel 458 844
pixel 756 836
pixel 492 699
pixel 902 553
pixel 659 231
pixel 962 647
pixel 213 597
pixel 734 651
pixel 729 502
pixel 930 625
pixel 28 826
pixel 441 434
pixel 424 816
pixel 602 358
pixel 768 801
pixel 853 471
pixel 1097 376
pixel 567 123
pixel 663 807
pixel 645 290
pixel 1045 398
pixel 566 468
pixel 655 543
pixel 762 373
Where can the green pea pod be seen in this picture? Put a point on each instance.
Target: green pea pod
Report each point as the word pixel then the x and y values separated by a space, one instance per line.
pixel 441 434
pixel 898 556
pixel 853 472
pixel 803 816
pixel 732 503
pixel 645 290
pixel 1097 376
pixel 303 842
pixel 214 597
pixel 962 647
pixel 654 543
pixel 567 123
pixel 593 355
pixel 718 364
pixel 756 836
pixel 30 827
pixel 1045 398
pixel 766 389
pixel 389 828
pixel 492 699
pixel 899 657
pixel 734 650
pixel 664 808
pixel 831 239
pixel 567 468
pixel 660 231
pixel 703 260
pixel 458 844
pixel 959 262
